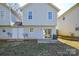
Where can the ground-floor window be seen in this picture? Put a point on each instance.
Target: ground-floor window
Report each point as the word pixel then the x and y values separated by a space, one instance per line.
pixel 4 30
pixel 47 33
pixel 31 29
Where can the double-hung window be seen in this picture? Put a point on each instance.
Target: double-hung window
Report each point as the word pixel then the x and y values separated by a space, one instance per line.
pixel 31 29
pixel 30 15
pixel 1 14
pixel 50 15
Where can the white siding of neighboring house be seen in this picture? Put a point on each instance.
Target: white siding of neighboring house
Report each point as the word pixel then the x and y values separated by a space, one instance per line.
pixel 4 35
pixel 67 26
pixel 8 16
pixel 8 19
pixel 39 14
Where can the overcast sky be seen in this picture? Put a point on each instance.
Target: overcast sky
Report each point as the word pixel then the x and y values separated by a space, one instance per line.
pixel 63 5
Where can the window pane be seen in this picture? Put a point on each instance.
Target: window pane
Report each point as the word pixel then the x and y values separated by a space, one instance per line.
pixel 63 18
pixel 1 14
pixel 47 33
pixel 31 29
pixel 77 28
pixel 30 15
pixel 49 15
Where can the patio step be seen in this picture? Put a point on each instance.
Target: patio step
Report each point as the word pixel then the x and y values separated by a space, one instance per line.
pixel 47 41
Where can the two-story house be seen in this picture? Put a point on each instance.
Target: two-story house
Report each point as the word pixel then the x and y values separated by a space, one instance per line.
pixel 39 22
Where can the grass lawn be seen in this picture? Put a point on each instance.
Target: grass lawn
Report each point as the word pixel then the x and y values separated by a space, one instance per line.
pixel 32 48
pixel 23 48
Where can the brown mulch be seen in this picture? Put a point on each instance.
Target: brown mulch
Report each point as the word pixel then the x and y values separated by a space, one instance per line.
pixel 72 38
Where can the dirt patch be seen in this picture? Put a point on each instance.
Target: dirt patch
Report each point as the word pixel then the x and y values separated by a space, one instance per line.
pixel 32 48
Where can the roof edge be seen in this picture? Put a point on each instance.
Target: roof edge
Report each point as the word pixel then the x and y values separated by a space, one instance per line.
pixel 66 12
pixel 52 5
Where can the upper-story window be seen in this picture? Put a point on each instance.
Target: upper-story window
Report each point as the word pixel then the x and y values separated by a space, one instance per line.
pixel 30 15
pixel 63 18
pixel 49 15
pixel 77 28
pixel 1 14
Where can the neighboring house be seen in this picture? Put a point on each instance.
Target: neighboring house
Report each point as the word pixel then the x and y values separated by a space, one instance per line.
pixel 68 23
pixel 8 20
pixel 39 21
